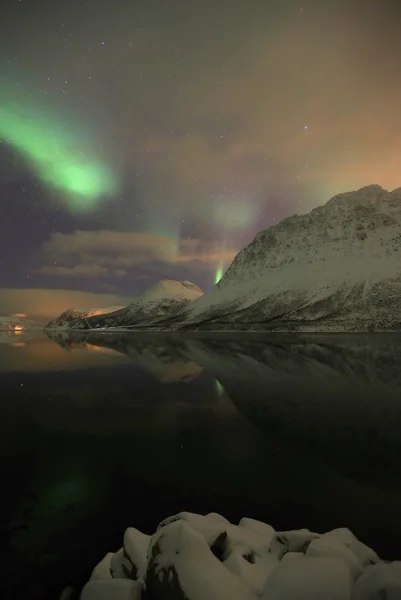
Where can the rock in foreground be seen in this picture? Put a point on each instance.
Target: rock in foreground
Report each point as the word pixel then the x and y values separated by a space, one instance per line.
pixel 196 557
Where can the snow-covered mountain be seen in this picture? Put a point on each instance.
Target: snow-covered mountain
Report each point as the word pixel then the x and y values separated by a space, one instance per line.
pixel 72 314
pixel 162 300
pixel 337 268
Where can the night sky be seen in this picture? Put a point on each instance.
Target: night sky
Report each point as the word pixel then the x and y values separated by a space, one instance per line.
pixel 151 139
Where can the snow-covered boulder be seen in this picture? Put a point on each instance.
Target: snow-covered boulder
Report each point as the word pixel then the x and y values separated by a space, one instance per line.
pixel 253 569
pixel 258 526
pixel 136 545
pixel 365 555
pixel 342 535
pixel 121 567
pixel 380 582
pixel 112 589
pixel 130 562
pixel 325 547
pixel 204 557
pixel 103 568
pixel 303 578
pixel 182 566
pixel 211 525
pixel 291 541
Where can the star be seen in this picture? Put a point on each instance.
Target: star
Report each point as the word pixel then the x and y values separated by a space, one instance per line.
pixel 172 133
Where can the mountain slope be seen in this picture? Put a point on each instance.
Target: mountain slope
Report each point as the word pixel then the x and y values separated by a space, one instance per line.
pixel 72 314
pixel 336 268
pixel 162 300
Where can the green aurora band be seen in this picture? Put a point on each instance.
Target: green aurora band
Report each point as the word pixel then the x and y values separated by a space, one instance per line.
pixel 56 155
pixel 219 274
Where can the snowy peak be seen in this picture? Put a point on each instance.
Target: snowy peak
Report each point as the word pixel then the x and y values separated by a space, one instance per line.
pixel 364 194
pixel 163 299
pixel 169 289
pixel 348 217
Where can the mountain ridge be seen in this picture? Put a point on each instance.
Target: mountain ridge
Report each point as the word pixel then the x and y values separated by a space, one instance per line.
pixel 335 268
pixel 72 314
pixel 164 298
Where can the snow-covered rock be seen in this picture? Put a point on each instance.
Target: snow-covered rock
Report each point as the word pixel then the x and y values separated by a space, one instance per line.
pixel 162 300
pixel 379 582
pixel 211 526
pixel 112 589
pixel 254 525
pixel 204 557
pixel 121 567
pixel 222 536
pixel 341 534
pixel 130 562
pixel 326 547
pixel 253 569
pixel 182 566
pixel 136 545
pixel 364 554
pixel 103 568
pixel 337 268
pixel 291 541
pixel 303 578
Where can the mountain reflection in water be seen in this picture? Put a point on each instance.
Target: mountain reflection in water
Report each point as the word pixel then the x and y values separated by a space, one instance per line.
pixel 102 431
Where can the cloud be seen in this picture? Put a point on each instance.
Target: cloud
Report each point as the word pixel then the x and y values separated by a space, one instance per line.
pixel 85 242
pixel 97 254
pixel 143 276
pixel 75 271
pixel 82 270
pixel 45 304
pixel 234 99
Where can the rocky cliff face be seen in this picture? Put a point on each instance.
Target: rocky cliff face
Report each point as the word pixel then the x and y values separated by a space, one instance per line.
pixel 337 268
pixel 164 299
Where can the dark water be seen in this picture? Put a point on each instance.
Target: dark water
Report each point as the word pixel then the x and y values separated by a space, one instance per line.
pixel 101 432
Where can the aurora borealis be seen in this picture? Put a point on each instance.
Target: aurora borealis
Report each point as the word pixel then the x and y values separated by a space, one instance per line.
pixel 150 140
pixel 58 157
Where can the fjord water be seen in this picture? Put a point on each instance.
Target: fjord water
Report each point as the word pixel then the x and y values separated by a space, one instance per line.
pixel 104 431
